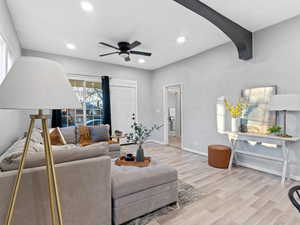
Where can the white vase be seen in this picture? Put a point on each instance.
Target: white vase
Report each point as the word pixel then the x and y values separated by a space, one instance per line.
pixel 235 125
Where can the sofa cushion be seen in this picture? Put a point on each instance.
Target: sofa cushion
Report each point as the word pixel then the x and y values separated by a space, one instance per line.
pixel 99 133
pixel 36 159
pixel 15 151
pixel 36 136
pixel 128 179
pixel 70 134
pixel 114 147
pixel 143 202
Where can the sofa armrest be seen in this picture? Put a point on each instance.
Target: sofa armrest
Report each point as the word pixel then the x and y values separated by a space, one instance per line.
pixel 84 188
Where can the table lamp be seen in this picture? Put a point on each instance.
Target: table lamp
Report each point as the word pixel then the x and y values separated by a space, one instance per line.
pixel 285 103
pixel 37 84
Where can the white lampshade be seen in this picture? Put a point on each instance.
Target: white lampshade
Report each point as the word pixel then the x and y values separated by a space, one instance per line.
pixel 290 102
pixel 37 83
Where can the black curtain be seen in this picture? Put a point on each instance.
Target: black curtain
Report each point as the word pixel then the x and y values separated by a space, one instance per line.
pixel 56 118
pixel 106 102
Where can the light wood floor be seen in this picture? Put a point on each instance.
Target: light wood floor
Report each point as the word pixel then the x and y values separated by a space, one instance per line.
pixel 175 141
pixel 240 197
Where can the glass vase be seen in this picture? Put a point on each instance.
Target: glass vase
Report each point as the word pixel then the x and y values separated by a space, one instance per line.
pixel 140 154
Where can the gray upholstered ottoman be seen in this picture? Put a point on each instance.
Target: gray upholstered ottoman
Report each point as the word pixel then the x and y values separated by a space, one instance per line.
pixel 138 191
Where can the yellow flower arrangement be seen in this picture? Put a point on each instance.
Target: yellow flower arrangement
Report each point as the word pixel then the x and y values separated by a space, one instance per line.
pixel 235 111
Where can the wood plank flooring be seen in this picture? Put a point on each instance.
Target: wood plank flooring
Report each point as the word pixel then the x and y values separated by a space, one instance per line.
pixel 175 141
pixel 240 197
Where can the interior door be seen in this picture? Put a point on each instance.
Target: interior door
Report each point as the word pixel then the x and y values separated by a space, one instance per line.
pixel 123 105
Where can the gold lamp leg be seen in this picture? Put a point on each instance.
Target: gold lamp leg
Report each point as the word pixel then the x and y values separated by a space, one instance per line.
pixel 52 173
pixel 19 176
pixel 52 183
pixel 49 175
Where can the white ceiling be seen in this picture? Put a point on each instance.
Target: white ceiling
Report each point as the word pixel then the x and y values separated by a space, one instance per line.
pixel 49 24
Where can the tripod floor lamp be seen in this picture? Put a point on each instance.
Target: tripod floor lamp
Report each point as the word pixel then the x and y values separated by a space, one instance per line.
pixel 37 84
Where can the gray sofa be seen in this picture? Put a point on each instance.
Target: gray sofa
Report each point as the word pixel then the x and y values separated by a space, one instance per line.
pixel 84 186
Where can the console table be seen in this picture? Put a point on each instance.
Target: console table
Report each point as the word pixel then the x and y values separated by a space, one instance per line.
pixel 281 142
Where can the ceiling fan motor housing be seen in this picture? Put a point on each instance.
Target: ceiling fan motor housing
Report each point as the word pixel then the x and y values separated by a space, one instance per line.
pixel 124 46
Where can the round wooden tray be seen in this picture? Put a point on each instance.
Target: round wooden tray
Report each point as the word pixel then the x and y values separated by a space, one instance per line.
pixel 121 162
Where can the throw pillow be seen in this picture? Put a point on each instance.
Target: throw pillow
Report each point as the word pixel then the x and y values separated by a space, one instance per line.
pixel 56 137
pixel 36 159
pixel 85 137
pixel 69 133
pixel 99 133
pixel 15 150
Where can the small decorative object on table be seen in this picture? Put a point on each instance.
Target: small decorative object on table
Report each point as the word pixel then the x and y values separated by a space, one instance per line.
pixel 275 130
pixel 129 157
pixel 118 133
pixel 235 112
pixel 139 136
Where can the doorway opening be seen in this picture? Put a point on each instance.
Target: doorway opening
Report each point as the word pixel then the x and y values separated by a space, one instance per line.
pixel 173 115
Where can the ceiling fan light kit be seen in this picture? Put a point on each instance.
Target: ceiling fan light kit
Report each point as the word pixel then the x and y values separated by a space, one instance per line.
pixel 125 50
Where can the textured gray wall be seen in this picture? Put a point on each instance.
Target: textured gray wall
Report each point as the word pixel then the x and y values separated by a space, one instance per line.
pixel 218 72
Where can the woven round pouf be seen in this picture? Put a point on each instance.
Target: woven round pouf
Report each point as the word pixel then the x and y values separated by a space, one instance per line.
pixel 219 156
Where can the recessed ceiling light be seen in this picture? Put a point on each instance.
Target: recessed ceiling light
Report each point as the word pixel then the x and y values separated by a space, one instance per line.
pixel 70 46
pixel 181 40
pixel 142 61
pixel 86 6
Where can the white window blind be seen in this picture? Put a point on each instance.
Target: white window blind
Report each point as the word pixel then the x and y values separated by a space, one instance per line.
pixel 3 59
pixel 10 61
pixel 6 59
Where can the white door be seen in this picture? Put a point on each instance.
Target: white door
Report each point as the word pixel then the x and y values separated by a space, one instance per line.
pixel 123 95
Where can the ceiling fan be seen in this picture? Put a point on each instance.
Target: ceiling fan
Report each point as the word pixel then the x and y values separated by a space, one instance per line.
pixel 125 50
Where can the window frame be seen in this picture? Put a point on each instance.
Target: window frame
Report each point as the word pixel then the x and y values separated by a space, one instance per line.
pixel 85 79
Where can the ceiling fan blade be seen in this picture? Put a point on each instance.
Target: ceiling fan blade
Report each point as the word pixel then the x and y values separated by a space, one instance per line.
pixel 127 59
pixel 108 45
pixel 141 53
pixel 108 54
pixel 134 44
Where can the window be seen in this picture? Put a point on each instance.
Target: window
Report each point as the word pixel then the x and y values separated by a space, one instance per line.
pixel 3 59
pixel 9 61
pixel 6 59
pixel 90 95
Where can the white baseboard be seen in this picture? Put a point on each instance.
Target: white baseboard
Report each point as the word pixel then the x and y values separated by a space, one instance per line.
pixel 271 171
pixel 155 141
pixel 244 164
pixel 195 151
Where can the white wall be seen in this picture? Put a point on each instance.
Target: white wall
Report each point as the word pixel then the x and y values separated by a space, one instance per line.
pixel 219 72
pixel 88 67
pixel 12 123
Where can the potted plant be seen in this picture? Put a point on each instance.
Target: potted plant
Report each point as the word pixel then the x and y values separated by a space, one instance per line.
pixel 235 112
pixel 275 130
pixel 139 136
